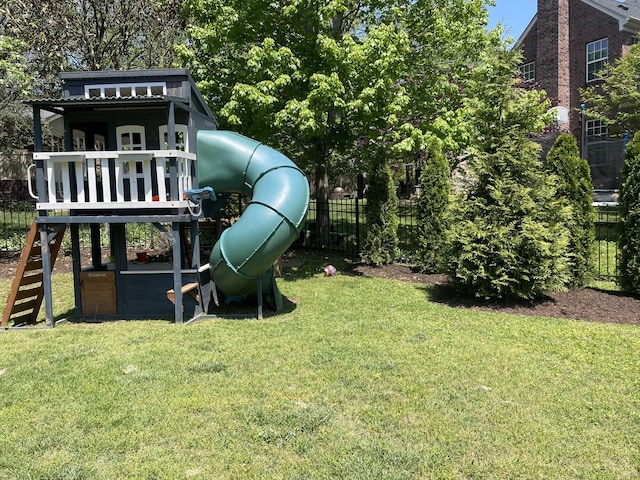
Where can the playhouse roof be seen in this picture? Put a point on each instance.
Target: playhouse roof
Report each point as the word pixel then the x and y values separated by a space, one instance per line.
pixel 75 84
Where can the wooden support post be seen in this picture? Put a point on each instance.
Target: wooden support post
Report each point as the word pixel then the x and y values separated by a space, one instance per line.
pixel 77 265
pixel 46 274
pixel 177 271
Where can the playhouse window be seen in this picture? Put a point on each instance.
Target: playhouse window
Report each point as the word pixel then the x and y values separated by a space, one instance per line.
pixel 125 90
pixel 79 141
pixel 181 137
pixel 131 137
pixel 99 143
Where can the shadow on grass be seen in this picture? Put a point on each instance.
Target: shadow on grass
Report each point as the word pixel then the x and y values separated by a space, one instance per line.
pixel 446 294
pixel 298 264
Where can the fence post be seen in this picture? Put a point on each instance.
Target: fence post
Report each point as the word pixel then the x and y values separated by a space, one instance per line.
pixel 359 195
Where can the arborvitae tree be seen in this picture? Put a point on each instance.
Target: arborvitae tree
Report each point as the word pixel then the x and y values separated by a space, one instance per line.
pixel 629 238
pixel 432 205
pixel 507 238
pixel 507 234
pixel 574 185
pixel 381 211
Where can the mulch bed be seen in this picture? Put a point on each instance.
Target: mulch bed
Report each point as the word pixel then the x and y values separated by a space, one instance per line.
pixel 588 304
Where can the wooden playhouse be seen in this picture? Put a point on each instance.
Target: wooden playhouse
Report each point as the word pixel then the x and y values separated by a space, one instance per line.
pixel 128 154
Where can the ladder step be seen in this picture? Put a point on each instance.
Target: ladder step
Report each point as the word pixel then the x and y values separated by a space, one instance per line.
pixel 24 306
pixel 27 290
pixel 33 265
pixel 31 279
pixel 28 293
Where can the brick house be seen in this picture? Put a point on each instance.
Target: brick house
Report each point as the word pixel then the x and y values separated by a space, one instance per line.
pixel 564 46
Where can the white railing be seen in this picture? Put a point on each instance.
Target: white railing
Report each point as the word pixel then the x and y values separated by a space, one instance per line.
pixel 111 180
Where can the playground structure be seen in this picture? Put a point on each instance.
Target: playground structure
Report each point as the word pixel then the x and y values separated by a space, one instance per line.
pixel 187 175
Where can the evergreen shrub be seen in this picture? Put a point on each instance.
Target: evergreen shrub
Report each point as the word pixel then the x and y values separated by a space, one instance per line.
pixel 574 185
pixel 432 206
pixel 629 238
pixel 380 246
pixel 507 237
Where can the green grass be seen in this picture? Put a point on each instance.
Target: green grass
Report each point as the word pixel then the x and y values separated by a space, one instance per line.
pixel 361 379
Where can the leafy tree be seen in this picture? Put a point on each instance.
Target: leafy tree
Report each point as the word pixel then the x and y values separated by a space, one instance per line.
pixel 15 79
pixel 629 238
pixel 15 84
pixel 306 77
pixel 432 209
pixel 507 237
pixel 317 79
pixel 574 185
pixel 449 39
pixel 62 35
pixel 615 99
pixel 381 210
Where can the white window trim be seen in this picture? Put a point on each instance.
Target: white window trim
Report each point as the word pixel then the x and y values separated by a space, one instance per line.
pixel 120 86
pixel 522 70
pixel 99 143
pixel 591 126
pixel 79 140
pixel 180 128
pixel 604 59
pixel 131 129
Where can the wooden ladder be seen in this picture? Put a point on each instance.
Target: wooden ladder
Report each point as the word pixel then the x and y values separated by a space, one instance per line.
pixel 27 289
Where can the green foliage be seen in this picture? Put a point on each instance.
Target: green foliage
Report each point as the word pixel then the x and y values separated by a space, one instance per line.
pixel 432 209
pixel 615 99
pixel 15 79
pixel 629 239
pixel 307 78
pixel 64 35
pixel 574 185
pixel 316 80
pixel 508 236
pixel 381 210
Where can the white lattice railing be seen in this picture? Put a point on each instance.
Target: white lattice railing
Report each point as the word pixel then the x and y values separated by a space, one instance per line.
pixel 111 180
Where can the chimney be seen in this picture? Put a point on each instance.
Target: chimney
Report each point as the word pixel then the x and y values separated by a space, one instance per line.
pixel 553 51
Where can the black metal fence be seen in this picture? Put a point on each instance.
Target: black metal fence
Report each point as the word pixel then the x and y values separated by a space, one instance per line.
pixel 347 231
pixel 607 232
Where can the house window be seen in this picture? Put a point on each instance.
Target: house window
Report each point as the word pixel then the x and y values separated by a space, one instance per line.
pixel 596 130
pixel 528 71
pixel 597 56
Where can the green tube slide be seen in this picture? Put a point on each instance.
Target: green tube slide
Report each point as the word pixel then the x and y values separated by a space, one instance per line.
pixel 279 200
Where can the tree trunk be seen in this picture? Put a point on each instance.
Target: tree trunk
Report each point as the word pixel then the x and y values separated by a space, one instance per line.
pixel 322 204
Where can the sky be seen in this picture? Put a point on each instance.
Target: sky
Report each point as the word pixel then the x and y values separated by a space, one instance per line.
pixel 514 15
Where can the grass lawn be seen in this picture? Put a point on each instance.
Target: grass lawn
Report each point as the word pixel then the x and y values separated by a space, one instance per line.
pixel 361 379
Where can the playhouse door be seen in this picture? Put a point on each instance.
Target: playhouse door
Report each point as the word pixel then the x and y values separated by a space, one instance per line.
pixel 98 293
